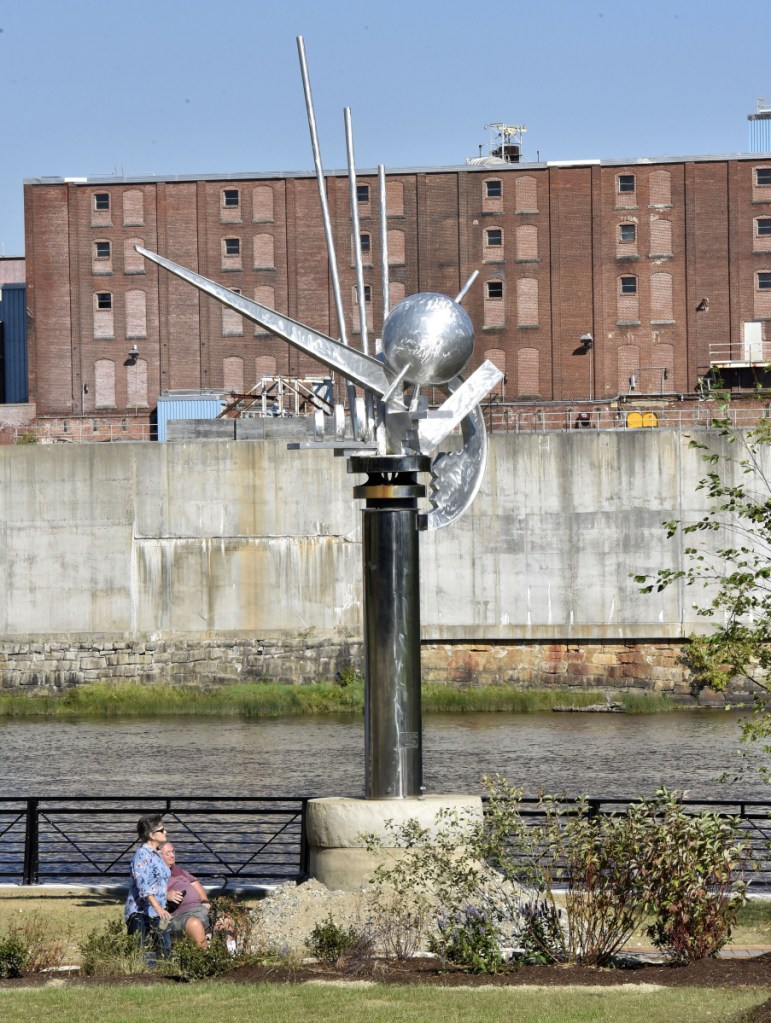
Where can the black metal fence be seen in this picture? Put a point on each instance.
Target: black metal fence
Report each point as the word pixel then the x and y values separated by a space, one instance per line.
pixel 235 841
pixel 88 840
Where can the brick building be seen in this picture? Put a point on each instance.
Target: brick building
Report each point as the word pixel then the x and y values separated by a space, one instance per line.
pixel 665 265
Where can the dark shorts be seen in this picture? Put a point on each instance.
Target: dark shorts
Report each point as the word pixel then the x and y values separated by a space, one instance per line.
pixel 178 920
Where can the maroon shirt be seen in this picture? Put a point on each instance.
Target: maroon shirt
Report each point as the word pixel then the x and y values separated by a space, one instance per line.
pixel 179 879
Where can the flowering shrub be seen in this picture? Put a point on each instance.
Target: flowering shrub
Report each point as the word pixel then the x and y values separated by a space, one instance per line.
pixel 468 939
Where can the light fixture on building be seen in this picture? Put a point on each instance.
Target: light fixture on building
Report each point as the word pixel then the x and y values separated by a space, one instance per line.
pixel 133 353
pixel 587 341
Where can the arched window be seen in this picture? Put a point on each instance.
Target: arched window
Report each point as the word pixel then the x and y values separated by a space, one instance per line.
pixel 265 294
pixel 264 366
pixel 104 383
pixel 661 237
pixel 136 384
pixel 628 368
pixel 396 248
pixel 101 258
pixel 492 195
pixel 230 205
pixel 394 198
pixel 661 297
pixel 627 305
pixel 104 326
pixel 133 263
pixel 527 243
pixel 660 186
pixel 232 322
pixel 233 374
pixel 528 373
pixel 495 307
pixel 262 203
pixel 492 246
pixel 264 252
pixel 527 302
pixel 526 194
pixel 133 207
pixel 136 314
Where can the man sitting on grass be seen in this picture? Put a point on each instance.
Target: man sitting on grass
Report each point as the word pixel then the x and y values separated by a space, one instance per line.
pixel 190 914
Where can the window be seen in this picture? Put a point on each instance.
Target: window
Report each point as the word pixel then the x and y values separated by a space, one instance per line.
pixel 764 226
pixel 101 200
pixel 494 306
pixel 763 175
pixel 493 189
pixel 626 184
pixel 133 207
pixel 103 300
pixel 366 243
pixel 230 198
pixel 232 246
pixel 627 232
pixel 629 285
pixel 101 250
pixel 362 193
pixel 764 280
pixel 367 292
pixel 494 237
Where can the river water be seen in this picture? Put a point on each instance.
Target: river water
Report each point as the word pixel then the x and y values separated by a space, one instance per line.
pixel 602 755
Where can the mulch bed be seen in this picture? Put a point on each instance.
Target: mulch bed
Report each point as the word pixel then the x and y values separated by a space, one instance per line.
pixel 729 972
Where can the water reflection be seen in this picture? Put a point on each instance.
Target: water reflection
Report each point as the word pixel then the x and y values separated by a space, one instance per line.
pixel 599 755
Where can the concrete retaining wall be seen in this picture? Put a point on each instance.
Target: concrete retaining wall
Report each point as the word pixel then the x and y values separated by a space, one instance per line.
pixel 224 560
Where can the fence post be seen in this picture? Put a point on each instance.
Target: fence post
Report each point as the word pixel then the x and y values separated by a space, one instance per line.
pixel 31 838
pixel 305 859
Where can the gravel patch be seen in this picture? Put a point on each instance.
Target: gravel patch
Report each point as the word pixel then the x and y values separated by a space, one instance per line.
pixel 288 915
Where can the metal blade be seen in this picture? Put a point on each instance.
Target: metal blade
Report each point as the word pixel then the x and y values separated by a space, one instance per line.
pixel 441 423
pixel 362 369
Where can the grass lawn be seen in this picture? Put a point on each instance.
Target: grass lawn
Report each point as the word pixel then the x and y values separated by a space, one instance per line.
pixel 312 1003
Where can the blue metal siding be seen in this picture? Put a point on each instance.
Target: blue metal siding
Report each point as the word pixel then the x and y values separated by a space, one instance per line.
pixel 13 313
pixel 185 408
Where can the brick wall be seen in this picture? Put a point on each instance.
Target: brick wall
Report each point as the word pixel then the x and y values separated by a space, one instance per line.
pixel 561 263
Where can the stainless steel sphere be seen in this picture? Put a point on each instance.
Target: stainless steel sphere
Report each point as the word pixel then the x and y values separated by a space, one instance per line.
pixel 431 335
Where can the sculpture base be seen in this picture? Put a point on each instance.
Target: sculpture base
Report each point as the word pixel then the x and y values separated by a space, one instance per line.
pixel 335 826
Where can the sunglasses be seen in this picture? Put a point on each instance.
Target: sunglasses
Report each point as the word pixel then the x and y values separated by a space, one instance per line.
pixel 158 831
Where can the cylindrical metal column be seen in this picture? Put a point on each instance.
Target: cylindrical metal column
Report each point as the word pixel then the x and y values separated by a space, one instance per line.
pixel 391 563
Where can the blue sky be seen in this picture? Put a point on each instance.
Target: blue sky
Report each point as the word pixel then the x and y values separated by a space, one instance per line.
pixel 169 87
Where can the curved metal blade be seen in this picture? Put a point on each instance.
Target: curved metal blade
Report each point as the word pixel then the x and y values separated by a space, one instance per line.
pixel 457 475
pixel 363 370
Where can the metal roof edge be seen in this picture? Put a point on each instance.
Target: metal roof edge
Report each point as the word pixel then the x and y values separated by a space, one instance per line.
pixel 104 179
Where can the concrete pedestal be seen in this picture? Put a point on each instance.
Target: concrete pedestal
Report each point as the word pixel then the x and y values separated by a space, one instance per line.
pixel 335 826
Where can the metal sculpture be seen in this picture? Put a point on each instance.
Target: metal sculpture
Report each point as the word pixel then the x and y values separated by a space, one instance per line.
pixel 427 341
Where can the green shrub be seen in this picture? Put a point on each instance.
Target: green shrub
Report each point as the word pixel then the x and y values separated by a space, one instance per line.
pixel 14 956
pixel 46 944
pixel 694 861
pixel 330 943
pixel 194 963
pixel 571 885
pixel 468 939
pixel 111 950
pixel 234 921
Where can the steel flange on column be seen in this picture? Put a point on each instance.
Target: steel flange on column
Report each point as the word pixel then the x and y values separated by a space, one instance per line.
pixel 391 578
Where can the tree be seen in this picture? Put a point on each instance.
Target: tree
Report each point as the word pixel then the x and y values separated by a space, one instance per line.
pixel 735 569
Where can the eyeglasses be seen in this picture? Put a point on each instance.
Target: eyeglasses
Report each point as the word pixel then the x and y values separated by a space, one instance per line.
pixel 158 831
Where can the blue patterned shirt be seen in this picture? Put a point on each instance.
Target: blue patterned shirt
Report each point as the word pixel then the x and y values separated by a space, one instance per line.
pixel 149 874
